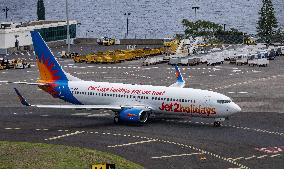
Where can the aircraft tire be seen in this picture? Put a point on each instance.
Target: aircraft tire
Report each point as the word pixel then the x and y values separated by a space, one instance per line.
pixel 217 124
pixel 116 120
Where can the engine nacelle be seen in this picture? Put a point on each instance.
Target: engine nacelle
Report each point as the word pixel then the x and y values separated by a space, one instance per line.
pixel 133 115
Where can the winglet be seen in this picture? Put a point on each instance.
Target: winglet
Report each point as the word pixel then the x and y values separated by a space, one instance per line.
pixel 22 99
pixel 180 82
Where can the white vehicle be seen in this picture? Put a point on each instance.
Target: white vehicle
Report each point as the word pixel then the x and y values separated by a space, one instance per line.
pixel 215 60
pixel 22 65
pixel 129 102
pixel 252 59
pixel 174 60
pixel 193 61
pixel 204 59
pixel 242 59
pixel 183 61
pixel 262 59
pixel 282 50
pixel 258 60
pixel 150 61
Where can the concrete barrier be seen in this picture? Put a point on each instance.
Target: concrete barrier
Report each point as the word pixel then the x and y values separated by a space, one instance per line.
pixel 122 41
pixel 86 41
pixel 141 41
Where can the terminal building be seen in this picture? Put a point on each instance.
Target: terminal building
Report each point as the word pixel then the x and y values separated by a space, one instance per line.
pixel 15 37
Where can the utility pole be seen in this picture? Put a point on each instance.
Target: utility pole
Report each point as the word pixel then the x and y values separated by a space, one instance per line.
pixel 224 27
pixel 6 11
pixel 195 8
pixel 68 31
pixel 127 22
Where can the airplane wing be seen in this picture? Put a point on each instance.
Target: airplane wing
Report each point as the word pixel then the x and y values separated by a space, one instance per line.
pixel 180 82
pixel 94 107
pixel 26 83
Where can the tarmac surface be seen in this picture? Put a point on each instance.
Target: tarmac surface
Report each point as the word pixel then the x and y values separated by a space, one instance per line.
pixel 253 138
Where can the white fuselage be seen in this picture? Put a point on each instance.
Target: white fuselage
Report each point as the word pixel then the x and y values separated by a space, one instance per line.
pixel 194 102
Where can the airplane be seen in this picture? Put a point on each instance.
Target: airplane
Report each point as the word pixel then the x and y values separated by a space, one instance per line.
pixel 130 102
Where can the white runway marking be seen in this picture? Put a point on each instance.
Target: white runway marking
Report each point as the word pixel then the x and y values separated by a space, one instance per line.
pixel 129 144
pixel 179 155
pixel 250 81
pixel 65 135
pixel 44 115
pixel 242 92
pixel 255 157
pixel 98 115
pixel 12 128
pixel 179 144
pixel 80 114
pixel 237 127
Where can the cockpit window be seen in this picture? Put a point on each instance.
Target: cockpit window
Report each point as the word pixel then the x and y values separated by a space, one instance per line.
pixel 223 101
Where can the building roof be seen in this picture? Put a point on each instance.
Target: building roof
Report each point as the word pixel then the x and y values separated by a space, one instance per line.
pixel 43 22
pixel 6 27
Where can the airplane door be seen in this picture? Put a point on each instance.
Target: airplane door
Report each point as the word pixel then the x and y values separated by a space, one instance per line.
pixel 208 101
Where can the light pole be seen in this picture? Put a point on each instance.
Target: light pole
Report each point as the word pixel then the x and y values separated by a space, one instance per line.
pixel 68 31
pixel 127 22
pixel 195 8
pixel 6 11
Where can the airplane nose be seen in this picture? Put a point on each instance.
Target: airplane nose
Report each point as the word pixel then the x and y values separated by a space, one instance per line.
pixel 236 108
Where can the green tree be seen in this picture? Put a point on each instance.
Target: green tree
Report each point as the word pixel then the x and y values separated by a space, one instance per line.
pixel 40 10
pixel 267 23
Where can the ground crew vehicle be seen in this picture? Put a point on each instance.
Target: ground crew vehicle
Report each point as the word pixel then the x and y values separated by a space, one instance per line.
pixel 91 58
pixel 279 51
pixel 79 59
pixel 66 55
pixel 6 64
pixel 258 60
pixel 174 60
pixel 183 61
pixel 242 59
pixel 233 59
pixel 20 64
pixel 106 41
pixel 217 60
pixel 193 61
pixel 107 59
pixel 168 42
pixel 271 54
pixel 150 61
pixel 282 50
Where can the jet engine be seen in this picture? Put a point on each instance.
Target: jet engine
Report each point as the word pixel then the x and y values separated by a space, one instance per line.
pixel 132 115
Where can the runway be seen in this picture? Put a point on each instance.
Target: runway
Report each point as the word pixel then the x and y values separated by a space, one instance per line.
pixel 253 138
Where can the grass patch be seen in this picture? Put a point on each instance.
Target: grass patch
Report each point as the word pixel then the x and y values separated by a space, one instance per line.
pixel 37 155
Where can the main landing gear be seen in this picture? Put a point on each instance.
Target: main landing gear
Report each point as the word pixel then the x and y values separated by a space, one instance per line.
pixel 116 118
pixel 217 122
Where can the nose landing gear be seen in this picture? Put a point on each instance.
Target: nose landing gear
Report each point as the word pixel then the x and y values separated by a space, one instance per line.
pixel 217 122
